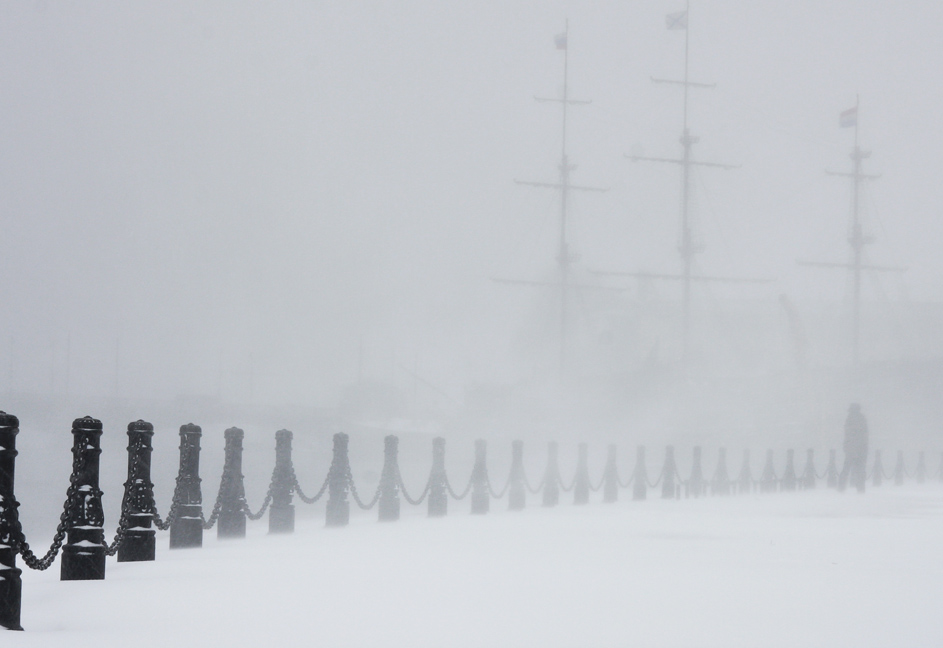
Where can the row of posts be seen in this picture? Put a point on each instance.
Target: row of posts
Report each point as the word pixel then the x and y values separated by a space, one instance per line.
pixel 84 550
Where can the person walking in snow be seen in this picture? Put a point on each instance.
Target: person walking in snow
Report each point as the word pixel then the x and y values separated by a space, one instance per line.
pixel 856 450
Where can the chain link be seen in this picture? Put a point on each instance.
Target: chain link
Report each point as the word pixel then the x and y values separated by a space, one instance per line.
pixel 464 494
pixel 402 488
pixel 566 489
pixel 356 496
pixel 223 485
pixel 534 490
pixel 495 495
pixel 22 546
pixel 297 488
pixel 628 482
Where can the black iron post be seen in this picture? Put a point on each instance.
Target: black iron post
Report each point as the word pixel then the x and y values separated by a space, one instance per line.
pixel 920 472
pixel 807 480
pixel 768 481
pixel 877 470
pixel 720 484
pixel 139 540
pixel 696 483
pixel 899 469
pixel 640 475
pixel 581 480
pixel 551 494
pixel 438 491
pixel 232 506
pixel 789 481
pixel 479 495
pixel 281 517
pixel 745 478
pixel 388 504
pixel 517 495
pixel 338 481
pixel 668 472
pixel 610 477
pixel 11 584
pixel 831 471
pixel 186 525
pixel 83 555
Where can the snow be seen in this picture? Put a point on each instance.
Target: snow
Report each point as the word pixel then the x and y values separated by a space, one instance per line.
pixel 814 568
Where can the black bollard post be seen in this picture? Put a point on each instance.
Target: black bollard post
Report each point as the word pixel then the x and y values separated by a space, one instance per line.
pixel 581 480
pixel 338 481
pixel 479 496
pixel 745 478
pixel 83 555
pixel 186 523
pixel 517 494
pixel 696 484
pixel 720 484
pixel 640 475
pixel 232 506
pixel 789 481
pixel 877 470
pixel 808 473
pixel 831 471
pixel 610 477
pixel 281 517
pixel 388 505
pixel 899 469
pixel 438 492
pixel 668 475
pixel 768 478
pixel 920 472
pixel 552 477
pixel 139 540
pixel 11 584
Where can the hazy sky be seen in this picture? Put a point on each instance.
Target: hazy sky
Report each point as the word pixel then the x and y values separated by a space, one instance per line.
pixel 236 197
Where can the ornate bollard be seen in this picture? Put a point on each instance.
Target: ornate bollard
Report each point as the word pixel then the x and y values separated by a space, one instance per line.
pixel 831 471
pixel 552 477
pixel 696 483
pixel 789 481
pixel 877 470
pixel 11 584
pixel 388 505
pixel 83 555
pixel 899 469
pixel 920 472
pixel 517 494
pixel 745 478
pixel 807 480
pixel 438 491
pixel 232 493
pixel 720 484
pixel 668 474
pixel 479 495
pixel 186 516
pixel 610 477
pixel 139 539
pixel 581 480
pixel 281 517
pixel 768 481
pixel 640 475
pixel 338 481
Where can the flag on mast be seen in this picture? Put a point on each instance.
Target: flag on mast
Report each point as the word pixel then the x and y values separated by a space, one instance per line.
pixel 560 40
pixel 848 118
pixel 677 20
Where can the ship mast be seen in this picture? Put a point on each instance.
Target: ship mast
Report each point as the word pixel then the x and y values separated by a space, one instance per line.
pixel 565 258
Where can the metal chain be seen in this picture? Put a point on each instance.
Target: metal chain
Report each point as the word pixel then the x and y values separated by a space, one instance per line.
pixel 628 481
pixel 507 485
pixel 533 490
pixel 112 549
pixel 448 487
pixel 163 525
pixel 22 546
pixel 402 489
pixel 304 498
pixel 223 484
pixel 566 489
pixel 353 491
pixel 657 481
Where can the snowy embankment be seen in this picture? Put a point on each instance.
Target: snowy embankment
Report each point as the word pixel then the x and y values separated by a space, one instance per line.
pixel 804 569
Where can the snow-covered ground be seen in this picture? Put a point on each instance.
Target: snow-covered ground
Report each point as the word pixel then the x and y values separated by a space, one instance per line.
pixel 792 569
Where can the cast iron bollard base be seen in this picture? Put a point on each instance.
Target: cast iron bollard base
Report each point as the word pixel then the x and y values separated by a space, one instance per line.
pixel 139 544
pixel 281 519
pixel 11 585
pixel 187 528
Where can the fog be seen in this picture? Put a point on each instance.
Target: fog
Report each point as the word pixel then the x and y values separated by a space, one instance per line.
pixel 293 215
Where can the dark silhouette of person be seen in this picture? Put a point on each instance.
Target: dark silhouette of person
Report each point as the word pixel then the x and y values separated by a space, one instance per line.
pixel 856 450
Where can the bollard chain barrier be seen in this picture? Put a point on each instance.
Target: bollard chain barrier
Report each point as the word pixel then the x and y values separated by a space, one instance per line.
pixel 353 491
pixel 566 489
pixel 223 487
pixel 22 546
pixel 296 487
pixel 123 525
pixel 265 503
pixel 627 482
pixel 464 494
pixel 534 490
pixel 402 489
pixel 164 524
pixel 504 490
